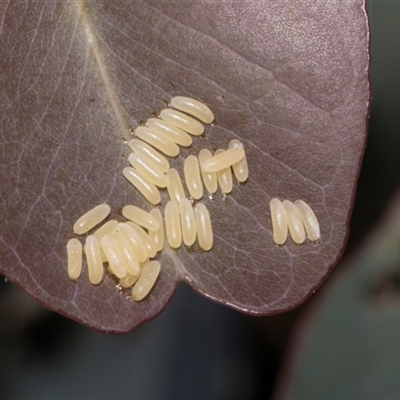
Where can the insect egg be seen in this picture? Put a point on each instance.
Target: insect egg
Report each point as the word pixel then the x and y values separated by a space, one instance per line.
pixel 294 222
pixel 193 107
pixel 173 225
pixel 150 154
pixel 135 240
pixel 92 218
pixel 175 187
pixel 279 222
pixel 145 238
pixel 93 259
pixel 109 229
pixel 188 222
pixel 128 280
pixel 203 226
pixel 182 121
pixel 114 257
pixel 309 220
pixel 74 253
pixel 158 141
pixel 223 159
pixel 191 171
pixel 151 173
pixel 128 253
pixel 141 217
pixel 170 131
pixel 157 236
pixel 209 178
pixel 145 187
pixel 224 176
pixel 240 168
pixel 146 280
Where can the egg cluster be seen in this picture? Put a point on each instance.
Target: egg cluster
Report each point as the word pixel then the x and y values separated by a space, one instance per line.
pixel 130 247
pixel 297 217
pixel 150 170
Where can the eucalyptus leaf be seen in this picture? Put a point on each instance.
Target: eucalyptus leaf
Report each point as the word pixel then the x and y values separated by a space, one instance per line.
pixel 288 79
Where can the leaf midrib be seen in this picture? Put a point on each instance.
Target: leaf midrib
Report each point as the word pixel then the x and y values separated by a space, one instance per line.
pixel 83 14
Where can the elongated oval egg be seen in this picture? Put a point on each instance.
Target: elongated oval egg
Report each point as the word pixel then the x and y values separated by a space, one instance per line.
pixel 209 178
pixel 145 187
pixel 128 280
pixel 309 219
pixel 114 256
pixel 135 240
pixel 173 225
pixel 146 280
pixel 128 252
pixel 191 172
pixel 109 229
pixel 240 168
pixel 140 217
pixel 74 254
pixel 188 222
pixel 150 154
pixel 203 226
pixel 92 218
pixel 145 238
pixel 224 176
pixel 152 174
pixel 182 121
pixel 93 259
pixel 295 224
pixel 157 236
pixel 279 221
pixel 175 187
pixel 223 159
pixel 160 142
pixel 193 107
pixel 172 132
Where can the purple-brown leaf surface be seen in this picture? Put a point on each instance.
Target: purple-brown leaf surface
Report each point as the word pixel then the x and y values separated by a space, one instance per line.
pixel 288 79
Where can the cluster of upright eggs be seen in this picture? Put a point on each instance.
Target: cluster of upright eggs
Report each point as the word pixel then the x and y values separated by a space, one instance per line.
pixel 129 247
pixel 298 218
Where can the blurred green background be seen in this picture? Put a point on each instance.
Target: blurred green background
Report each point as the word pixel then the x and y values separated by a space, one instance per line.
pixel 341 344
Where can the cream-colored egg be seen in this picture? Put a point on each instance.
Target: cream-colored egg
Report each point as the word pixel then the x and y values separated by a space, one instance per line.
pixel 92 218
pixel 141 183
pixel 193 107
pixel 205 235
pixel 188 222
pixel 224 176
pixel 294 222
pixel 279 221
pixel 173 225
pixel 150 154
pixel 209 178
pixel 157 236
pixel 182 121
pixel 240 168
pixel 191 171
pixel 309 219
pixel 74 254
pixel 175 187
pixel 146 280
pixel 160 142
pixel 170 131
pixel 93 260
pixel 140 217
